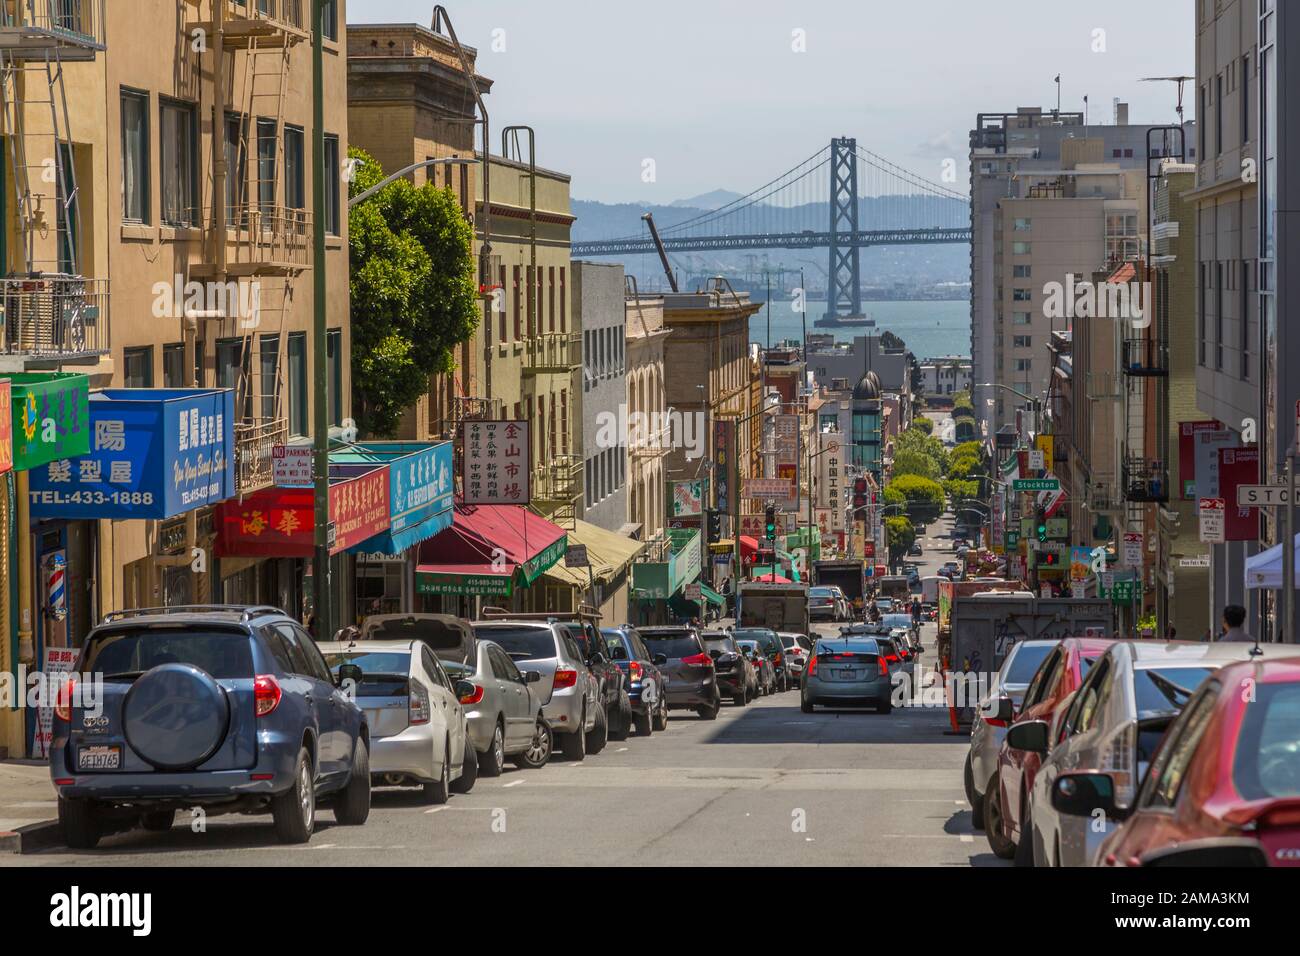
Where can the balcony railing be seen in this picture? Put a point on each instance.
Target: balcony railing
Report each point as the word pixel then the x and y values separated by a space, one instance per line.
pixel 56 317
pixel 264 239
pixel 552 352
pixel 559 480
pixel 74 27
pixel 1103 498
pixel 1143 356
pixel 288 13
pixel 254 444
pixel 1145 481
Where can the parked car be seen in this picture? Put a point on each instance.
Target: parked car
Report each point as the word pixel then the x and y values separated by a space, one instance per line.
pixel 1227 769
pixel 734 673
pixel 849 671
pixel 503 710
pixel 993 714
pixel 915 550
pixel 828 604
pixel 569 691
pixel 798 649
pixel 772 649
pixel 609 676
pixel 761 665
pixel 267 728
pixel 449 637
pixel 419 732
pixel 645 682
pixel 689 670
pixel 1117 719
pixel 1006 795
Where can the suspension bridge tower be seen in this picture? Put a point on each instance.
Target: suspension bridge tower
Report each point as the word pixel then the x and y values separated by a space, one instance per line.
pixel 844 292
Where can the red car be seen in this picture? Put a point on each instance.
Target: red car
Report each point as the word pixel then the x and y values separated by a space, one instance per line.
pixel 1226 772
pixel 1006 795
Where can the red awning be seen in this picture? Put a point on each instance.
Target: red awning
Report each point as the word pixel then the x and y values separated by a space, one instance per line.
pixel 484 537
pixel 748 545
pixel 772 579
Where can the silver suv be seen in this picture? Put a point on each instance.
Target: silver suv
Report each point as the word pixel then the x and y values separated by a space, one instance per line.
pixel 569 691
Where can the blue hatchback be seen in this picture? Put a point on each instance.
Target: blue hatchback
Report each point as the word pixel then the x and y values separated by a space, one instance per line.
pixel 228 709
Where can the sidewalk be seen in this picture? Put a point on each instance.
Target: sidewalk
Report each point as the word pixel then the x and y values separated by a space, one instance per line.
pixel 27 801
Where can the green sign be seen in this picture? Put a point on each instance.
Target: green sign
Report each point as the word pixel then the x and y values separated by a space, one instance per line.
pixel 1121 591
pixel 1012 539
pixel 51 417
pixel 498 585
pixel 535 566
pixel 1036 484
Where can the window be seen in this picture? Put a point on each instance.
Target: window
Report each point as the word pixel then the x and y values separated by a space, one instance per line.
pixel 137 367
pixel 1022 318
pixel 266 144
pixel 174 365
pixel 295 189
pixel 1022 341
pixel 1022 295
pixel 1245 98
pixel 1218 315
pixel 334 364
pixel 333 221
pixel 518 297
pixel 1200 127
pixel 1023 225
pixel 1037 688
pixel 268 371
pixel 233 365
pixel 135 156
pixel 1218 114
pixel 236 166
pixel 1021 272
pixel 298 383
pixel 1024 365
pixel 1170 767
pixel 1021 248
pixel 68 213
pixel 329 19
pixel 180 165
pixel 1202 292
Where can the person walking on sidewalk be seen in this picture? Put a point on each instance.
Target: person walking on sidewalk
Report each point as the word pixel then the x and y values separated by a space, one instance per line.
pixel 1234 616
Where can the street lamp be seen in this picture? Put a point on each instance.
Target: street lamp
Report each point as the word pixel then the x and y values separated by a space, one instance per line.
pixel 1036 402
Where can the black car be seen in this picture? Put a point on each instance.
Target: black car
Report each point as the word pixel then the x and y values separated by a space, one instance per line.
pixel 613 695
pixel 691 673
pixel 735 674
pixel 773 650
pixel 645 682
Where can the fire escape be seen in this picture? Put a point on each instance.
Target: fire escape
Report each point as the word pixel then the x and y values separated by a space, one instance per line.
pixel 53 313
pixel 259 227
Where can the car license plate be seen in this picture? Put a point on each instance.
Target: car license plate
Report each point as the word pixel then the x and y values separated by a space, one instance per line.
pixel 99 758
pixel 847 672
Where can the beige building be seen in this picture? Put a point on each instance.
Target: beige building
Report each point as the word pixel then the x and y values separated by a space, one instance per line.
pixel 646 399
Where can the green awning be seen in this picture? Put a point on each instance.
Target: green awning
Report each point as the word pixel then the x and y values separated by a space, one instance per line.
pixel 712 596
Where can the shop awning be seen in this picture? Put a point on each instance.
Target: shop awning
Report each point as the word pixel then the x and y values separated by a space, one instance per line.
pixel 748 546
pixel 609 553
pixel 419 491
pixel 712 596
pixel 489 549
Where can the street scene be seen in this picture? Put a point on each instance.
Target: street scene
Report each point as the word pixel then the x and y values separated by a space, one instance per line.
pixel 533 435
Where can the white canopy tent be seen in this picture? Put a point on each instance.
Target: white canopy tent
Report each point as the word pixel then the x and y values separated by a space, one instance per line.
pixel 1264 570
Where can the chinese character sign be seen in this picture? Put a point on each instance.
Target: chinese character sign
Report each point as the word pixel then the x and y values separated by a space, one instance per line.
pixel 6 428
pixel 359 508
pixel 686 498
pixel 496 463
pixel 154 453
pixel 420 485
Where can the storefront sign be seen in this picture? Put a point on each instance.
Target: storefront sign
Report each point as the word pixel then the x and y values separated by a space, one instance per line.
pixel 496 456
pixel 154 453
pixel 50 419
pixel 769 489
pixel 6 427
pixel 576 556
pixel 686 498
pixel 725 474
pixel 1238 466
pixel 359 506
pixel 291 466
pixel 467 585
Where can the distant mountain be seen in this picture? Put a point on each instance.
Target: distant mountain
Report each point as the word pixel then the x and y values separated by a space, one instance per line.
pixel 710 200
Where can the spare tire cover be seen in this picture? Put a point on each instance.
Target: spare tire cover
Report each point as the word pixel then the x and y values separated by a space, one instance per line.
pixel 175 716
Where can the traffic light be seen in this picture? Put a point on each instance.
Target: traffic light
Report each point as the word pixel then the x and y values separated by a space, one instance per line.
pixel 715 526
pixel 1049 559
pixel 770 524
pixel 1040 528
pixel 859 493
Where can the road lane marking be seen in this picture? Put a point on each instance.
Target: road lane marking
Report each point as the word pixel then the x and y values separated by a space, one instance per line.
pixel 512 783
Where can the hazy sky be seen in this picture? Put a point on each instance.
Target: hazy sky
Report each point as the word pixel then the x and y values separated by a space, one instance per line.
pixel 715 92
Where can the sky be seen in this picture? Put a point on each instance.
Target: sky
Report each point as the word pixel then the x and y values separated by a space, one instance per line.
pixel 730 93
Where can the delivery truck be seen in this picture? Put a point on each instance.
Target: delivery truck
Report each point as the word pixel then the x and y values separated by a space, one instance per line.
pixel 780 607
pixel 848 576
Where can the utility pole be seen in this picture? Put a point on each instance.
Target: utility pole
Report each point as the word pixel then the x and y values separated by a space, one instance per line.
pixel 320 357
pixel 1288 552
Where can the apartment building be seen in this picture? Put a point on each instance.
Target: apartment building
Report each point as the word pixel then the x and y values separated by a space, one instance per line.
pixel 599 315
pixel 946 375
pixel 647 404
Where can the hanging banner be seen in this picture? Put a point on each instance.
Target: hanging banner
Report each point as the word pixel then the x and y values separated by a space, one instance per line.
pixel 50 417
pixel 1238 466
pixel 686 498
pixel 726 476
pixel 1187 458
pixel 154 453
pixel 496 463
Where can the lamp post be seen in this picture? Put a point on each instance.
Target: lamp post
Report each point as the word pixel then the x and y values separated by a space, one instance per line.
pixel 324 612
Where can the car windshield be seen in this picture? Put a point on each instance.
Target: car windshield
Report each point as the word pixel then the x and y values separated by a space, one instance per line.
pixel 1267 764
pixel 383 673
pixel 1163 689
pixel 724 644
pixel 821 592
pixel 765 639
pixel 431 631
pixel 1024 664
pixel 671 644
pixel 225 655
pixel 749 647
pixel 897 620
pixel 521 643
pixel 790 640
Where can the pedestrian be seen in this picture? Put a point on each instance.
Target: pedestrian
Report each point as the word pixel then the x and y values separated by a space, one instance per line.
pixel 1173 633
pixel 1234 616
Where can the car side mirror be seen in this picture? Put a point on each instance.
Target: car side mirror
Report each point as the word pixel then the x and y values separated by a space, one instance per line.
pixel 660 660
pixel 348 673
pixel 1030 736
pixel 1083 794
pixel 464 689
pixel 532 677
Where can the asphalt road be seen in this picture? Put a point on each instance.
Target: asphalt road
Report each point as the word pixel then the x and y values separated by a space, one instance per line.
pixel 761 785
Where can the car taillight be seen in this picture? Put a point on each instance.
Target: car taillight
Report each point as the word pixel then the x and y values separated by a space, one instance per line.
pixel 63 700
pixel 266 694
pixel 812 666
pixel 1117 759
pixel 882 667
pixel 419 709
pixel 698 660
pixel 634 671
pixel 565 678
pixel 892 658
pixel 474 697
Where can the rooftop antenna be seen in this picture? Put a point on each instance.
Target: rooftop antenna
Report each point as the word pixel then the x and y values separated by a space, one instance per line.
pixel 1180 80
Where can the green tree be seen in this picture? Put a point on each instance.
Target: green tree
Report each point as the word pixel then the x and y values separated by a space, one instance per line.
pixel 910 461
pixel 413 293
pixel 899 536
pixel 958 488
pixel 924 424
pixel 967 448
pixel 923 497
pixel 965 466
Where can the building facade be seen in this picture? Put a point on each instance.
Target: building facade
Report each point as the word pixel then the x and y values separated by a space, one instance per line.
pixel 599 315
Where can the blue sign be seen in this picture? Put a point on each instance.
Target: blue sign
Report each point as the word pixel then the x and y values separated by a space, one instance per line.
pixel 154 453
pixel 420 491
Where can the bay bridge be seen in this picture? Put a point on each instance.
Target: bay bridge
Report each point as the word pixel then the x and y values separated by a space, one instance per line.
pixel 791 212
